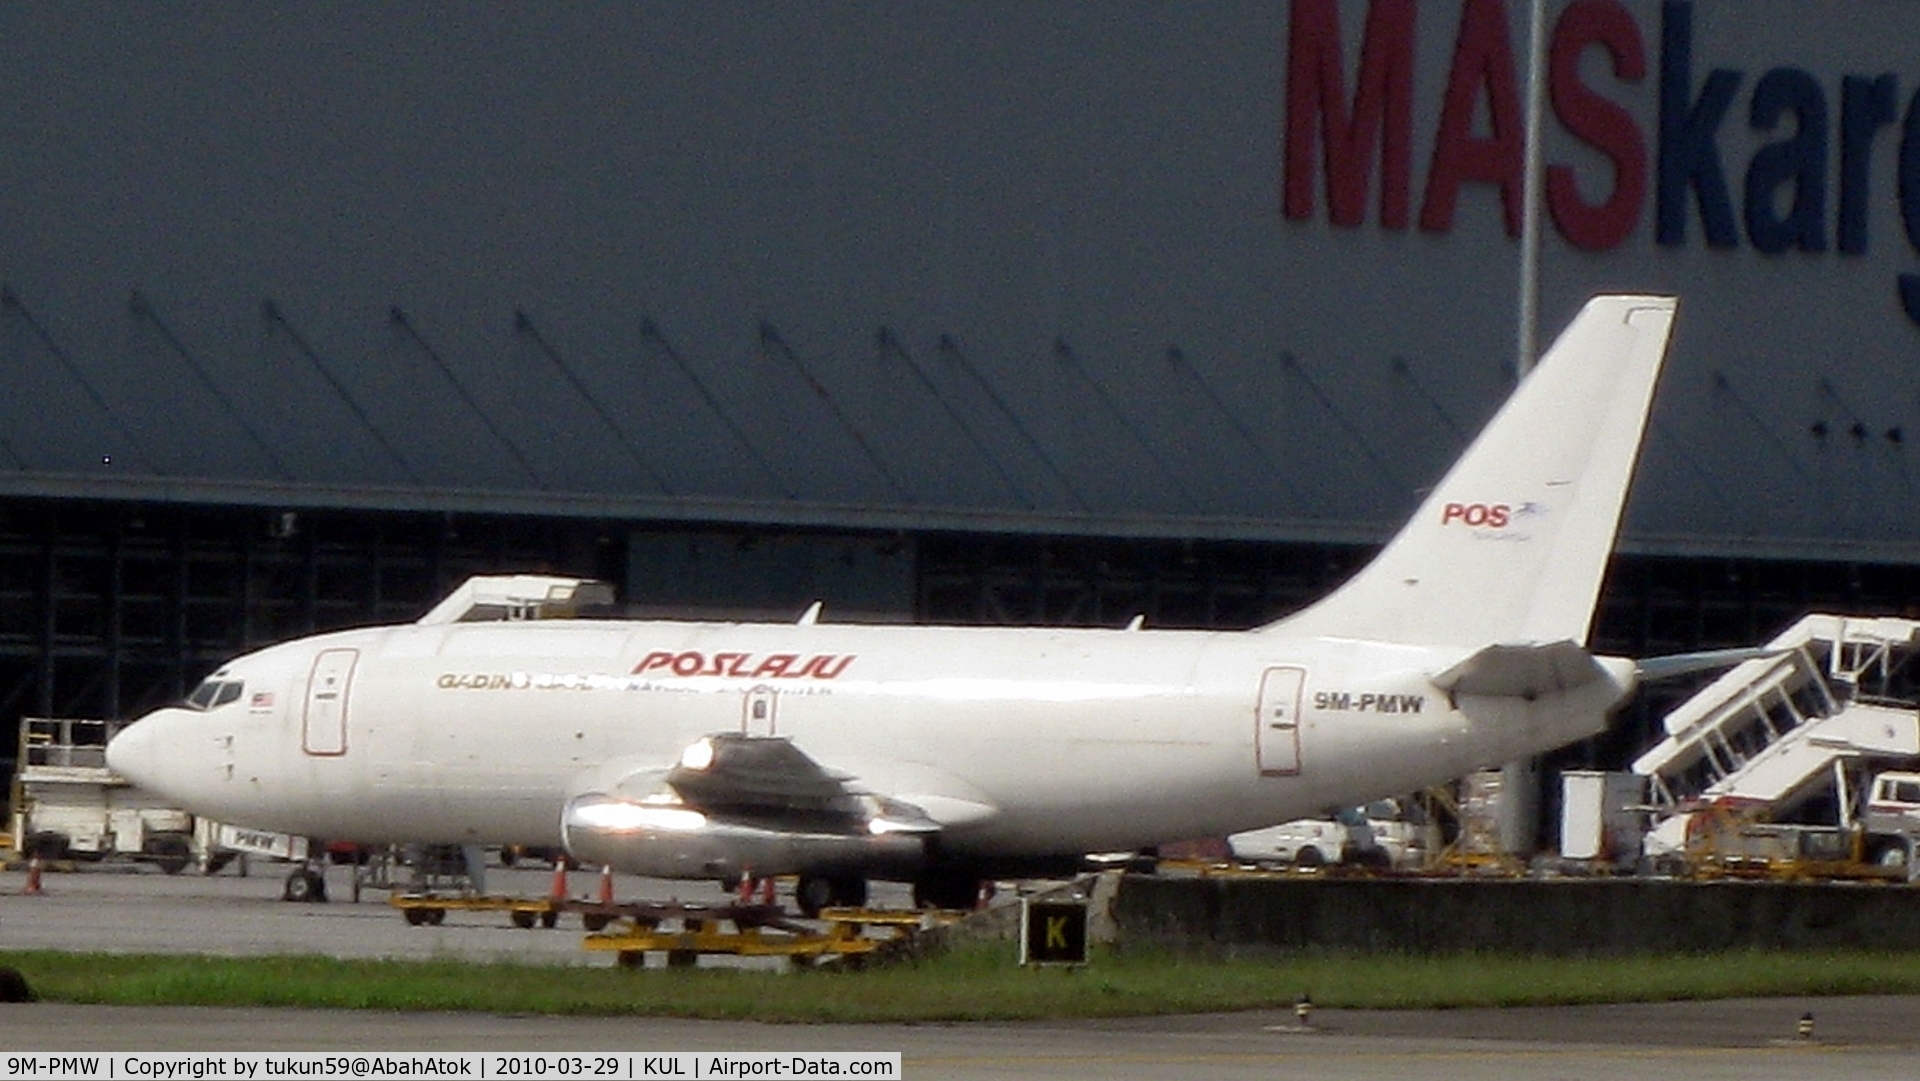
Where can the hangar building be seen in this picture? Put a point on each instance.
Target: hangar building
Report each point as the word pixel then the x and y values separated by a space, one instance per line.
pixel 1005 311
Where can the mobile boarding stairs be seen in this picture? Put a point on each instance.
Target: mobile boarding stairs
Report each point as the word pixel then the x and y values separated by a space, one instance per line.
pixel 1835 699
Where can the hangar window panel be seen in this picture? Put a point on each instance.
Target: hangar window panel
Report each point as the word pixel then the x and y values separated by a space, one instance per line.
pixel 1618 625
pixel 148 684
pixel 18 564
pixel 1237 605
pixel 1181 605
pixel 213 628
pixel 212 574
pixel 280 622
pixel 19 618
pixel 342 578
pixel 145 621
pixel 1672 624
pixel 1725 622
pixel 79 620
pixel 79 687
pixel 406 586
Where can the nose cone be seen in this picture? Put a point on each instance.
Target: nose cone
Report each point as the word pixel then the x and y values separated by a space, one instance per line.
pixel 151 753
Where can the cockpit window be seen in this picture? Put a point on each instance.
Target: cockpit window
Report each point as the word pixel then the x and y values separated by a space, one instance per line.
pixel 214 693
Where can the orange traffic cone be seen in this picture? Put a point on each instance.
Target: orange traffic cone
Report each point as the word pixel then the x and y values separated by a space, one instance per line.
pixel 745 888
pixel 766 891
pixel 606 884
pixel 33 878
pixel 558 892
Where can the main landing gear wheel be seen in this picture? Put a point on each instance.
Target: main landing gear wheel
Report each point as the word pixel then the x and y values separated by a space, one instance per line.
pixel 171 852
pixel 947 890
pixel 815 892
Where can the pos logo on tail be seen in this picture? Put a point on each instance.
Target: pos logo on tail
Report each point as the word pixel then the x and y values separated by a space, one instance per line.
pixel 1488 515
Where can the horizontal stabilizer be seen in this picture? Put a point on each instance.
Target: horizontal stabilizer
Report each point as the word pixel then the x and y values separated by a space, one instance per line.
pixel 1685 664
pixel 1522 671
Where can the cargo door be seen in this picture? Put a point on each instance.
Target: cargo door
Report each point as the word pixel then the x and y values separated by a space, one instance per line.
pixel 323 727
pixel 1276 741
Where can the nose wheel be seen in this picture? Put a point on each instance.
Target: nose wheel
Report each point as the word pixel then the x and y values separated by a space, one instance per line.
pixel 306 885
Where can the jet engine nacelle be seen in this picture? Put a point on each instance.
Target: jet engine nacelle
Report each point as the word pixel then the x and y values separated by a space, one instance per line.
pixel 670 840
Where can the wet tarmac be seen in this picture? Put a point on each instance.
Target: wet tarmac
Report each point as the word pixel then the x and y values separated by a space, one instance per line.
pixel 1871 1037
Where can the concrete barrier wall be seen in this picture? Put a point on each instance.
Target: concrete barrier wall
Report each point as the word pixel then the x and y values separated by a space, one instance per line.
pixel 1555 917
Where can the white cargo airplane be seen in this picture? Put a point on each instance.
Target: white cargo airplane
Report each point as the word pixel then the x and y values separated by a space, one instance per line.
pixel 944 755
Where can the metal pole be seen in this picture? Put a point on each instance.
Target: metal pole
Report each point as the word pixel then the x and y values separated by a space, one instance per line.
pixel 1526 348
pixel 1520 780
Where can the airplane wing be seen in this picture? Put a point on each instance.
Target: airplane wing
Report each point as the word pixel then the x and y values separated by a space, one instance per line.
pixel 1527 670
pixel 739 774
pixel 735 803
pixel 755 776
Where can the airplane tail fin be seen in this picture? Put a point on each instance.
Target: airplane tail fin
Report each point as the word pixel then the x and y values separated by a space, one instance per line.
pixel 1512 543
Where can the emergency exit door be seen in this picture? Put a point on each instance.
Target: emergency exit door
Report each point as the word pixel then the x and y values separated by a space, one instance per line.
pixel 1276 741
pixel 323 725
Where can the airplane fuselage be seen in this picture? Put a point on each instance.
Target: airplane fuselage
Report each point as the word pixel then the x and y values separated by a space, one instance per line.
pixel 1021 743
pixel 842 753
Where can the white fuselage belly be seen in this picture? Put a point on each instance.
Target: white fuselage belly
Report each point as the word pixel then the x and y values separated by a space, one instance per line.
pixel 1080 740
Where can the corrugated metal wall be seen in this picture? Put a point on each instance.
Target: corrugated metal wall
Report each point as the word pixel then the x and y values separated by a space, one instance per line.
pixel 1007 266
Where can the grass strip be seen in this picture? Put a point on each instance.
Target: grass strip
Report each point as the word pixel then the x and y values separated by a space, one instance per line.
pixel 976 983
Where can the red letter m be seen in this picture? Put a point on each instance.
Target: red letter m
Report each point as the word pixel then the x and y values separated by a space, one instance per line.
pixel 1380 112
